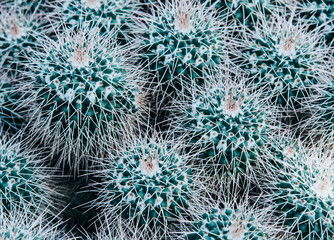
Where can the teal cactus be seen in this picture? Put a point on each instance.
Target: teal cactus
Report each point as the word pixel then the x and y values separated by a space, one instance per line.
pixel 107 15
pixel 22 178
pixel 302 192
pixel 286 60
pixel 146 185
pixel 10 118
pixel 245 12
pixel 319 12
pixel 19 33
pixel 229 223
pixel 84 94
pixel 182 41
pixel 321 105
pixel 27 225
pixel 227 126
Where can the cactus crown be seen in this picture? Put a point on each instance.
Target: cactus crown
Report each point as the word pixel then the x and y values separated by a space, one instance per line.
pixel 183 39
pixel 303 192
pixel 84 90
pixel 286 59
pixel 229 224
pixel 147 185
pixel 108 15
pixel 228 125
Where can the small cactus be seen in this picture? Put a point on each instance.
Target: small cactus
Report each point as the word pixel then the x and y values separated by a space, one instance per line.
pixel 302 192
pixel 84 94
pixel 287 60
pixel 146 185
pixel 22 177
pixel 181 42
pixel 227 125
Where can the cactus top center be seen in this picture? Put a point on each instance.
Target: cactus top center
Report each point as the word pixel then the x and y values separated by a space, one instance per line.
pixel 237 231
pixel 232 105
pixel 80 57
pixel 182 20
pixel 96 4
pixel 288 46
pixel 323 187
pixel 15 29
pixel 149 165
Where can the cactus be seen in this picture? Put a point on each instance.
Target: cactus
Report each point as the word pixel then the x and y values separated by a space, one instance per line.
pixel 245 12
pixel 287 60
pixel 19 34
pixel 26 225
pixel 319 12
pixel 10 118
pixel 229 223
pixel 83 93
pixel 22 177
pixel 107 15
pixel 146 185
pixel 181 43
pixel 302 192
pixel 227 125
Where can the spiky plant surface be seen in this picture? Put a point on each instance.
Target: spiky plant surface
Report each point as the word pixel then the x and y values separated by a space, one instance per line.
pixel 84 94
pixel 23 179
pixel 27 225
pixel 183 39
pixel 227 125
pixel 287 60
pixel 320 12
pixel 108 15
pixel 228 224
pixel 161 116
pixel 11 118
pixel 147 186
pixel 302 192
pixel 245 12
pixel 19 34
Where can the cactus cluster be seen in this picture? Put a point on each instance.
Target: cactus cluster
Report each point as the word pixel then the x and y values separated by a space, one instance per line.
pixel 166 119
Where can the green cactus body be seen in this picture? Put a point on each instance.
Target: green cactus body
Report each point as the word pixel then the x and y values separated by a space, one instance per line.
pixel 304 196
pixel 17 37
pixel 228 127
pixel 286 61
pixel 10 119
pixel 149 185
pixel 19 178
pixel 107 15
pixel 83 94
pixel 24 224
pixel 180 43
pixel 321 13
pixel 245 11
pixel 228 224
pixel 19 234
